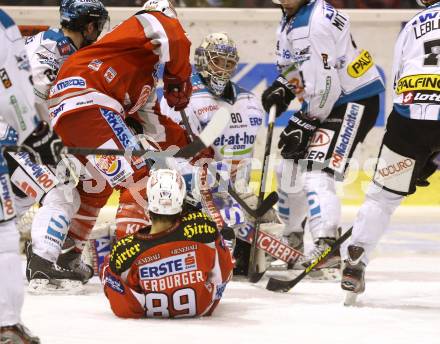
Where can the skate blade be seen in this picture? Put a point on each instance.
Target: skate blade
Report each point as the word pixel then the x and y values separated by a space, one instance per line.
pixel 350 299
pixel 62 287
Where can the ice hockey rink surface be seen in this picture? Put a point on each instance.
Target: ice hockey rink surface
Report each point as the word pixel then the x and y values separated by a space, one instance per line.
pixel 401 303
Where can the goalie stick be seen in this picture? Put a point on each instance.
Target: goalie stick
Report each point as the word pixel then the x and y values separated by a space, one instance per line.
pixel 265 204
pixel 265 241
pixel 253 274
pixel 279 285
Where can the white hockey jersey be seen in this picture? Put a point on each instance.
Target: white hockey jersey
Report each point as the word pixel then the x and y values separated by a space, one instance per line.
pixel 416 67
pixel 17 101
pixel 47 52
pixel 316 53
pixel 246 112
pixel 237 141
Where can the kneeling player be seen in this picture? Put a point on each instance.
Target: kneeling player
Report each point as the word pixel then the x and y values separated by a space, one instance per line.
pixel 177 267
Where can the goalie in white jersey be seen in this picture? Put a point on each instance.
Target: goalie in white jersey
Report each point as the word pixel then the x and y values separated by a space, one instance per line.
pixel 18 118
pixel 338 87
pixel 215 61
pixel 411 140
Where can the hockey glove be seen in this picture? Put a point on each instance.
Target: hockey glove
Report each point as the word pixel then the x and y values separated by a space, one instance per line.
pixel 44 144
pixel 280 94
pixel 295 138
pixel 176 92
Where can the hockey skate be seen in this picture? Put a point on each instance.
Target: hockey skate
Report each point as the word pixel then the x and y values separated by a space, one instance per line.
pixel 353 275
pixel 46 277
pixel 328 269
pixel 321 245
pixel 71 260
pixel 17 334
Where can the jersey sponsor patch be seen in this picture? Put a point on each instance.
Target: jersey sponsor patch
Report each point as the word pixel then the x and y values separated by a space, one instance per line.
pixel 347 134
pixel 419 82
pixel 394 171
pixel 110 74
pixel 95 65
pixel 68 83
pixel 114 169
pixel 64 47
pixel 319 145
pixel 360 65
pixel 114 284
pixel 197 225
pixel 7 210
pixel 169 266
pixel 5 78
pixel 27 185
pixel 40 174
pixel 430 97
pixel 115 121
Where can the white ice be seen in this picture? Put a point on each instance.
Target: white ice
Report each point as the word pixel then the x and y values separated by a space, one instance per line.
pixel 401 304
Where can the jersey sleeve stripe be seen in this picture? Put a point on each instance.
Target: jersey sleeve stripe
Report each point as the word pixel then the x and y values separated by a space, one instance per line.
pixel 156 33
pixel 6 20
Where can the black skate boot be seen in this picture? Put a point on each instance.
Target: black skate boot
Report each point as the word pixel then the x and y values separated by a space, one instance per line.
pixel 46 277
pixel 17 334
pixel 353 275
pixel 71 259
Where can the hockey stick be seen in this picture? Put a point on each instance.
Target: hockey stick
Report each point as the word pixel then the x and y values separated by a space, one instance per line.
pixel 214 128
pixel 253 274
pixel 279 285
pixel 265 205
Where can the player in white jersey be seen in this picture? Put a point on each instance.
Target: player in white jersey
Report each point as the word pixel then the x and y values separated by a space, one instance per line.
pixel 18 118
pixel 411 139
pixel 338 86
pixel 215 61
pixel 81 24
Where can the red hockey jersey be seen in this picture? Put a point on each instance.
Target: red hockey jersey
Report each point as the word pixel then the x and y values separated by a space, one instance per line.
pixel 123 64
pixel 181 272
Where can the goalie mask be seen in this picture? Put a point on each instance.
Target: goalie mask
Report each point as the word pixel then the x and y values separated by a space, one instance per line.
pixel 166 191
pixel 216 60
pixel 164 6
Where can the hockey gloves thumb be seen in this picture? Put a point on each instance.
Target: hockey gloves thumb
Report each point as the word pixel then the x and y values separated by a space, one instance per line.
pixel 177 92
pixel 295 138
pixel 280 94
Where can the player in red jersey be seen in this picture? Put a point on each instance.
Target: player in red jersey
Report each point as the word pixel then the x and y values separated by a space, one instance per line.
pixel 103 87
pixel 177 267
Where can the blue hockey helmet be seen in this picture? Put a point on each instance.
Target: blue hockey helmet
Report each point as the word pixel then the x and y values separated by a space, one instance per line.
pixel 76 14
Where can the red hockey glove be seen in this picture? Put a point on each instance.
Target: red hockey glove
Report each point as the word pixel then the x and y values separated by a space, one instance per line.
pixel 176 91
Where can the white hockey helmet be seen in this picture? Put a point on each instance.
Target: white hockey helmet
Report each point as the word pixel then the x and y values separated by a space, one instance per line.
pixel 284 2
pixel 164 6
pixel 216 60
pixel 426 3
pixel 166 191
